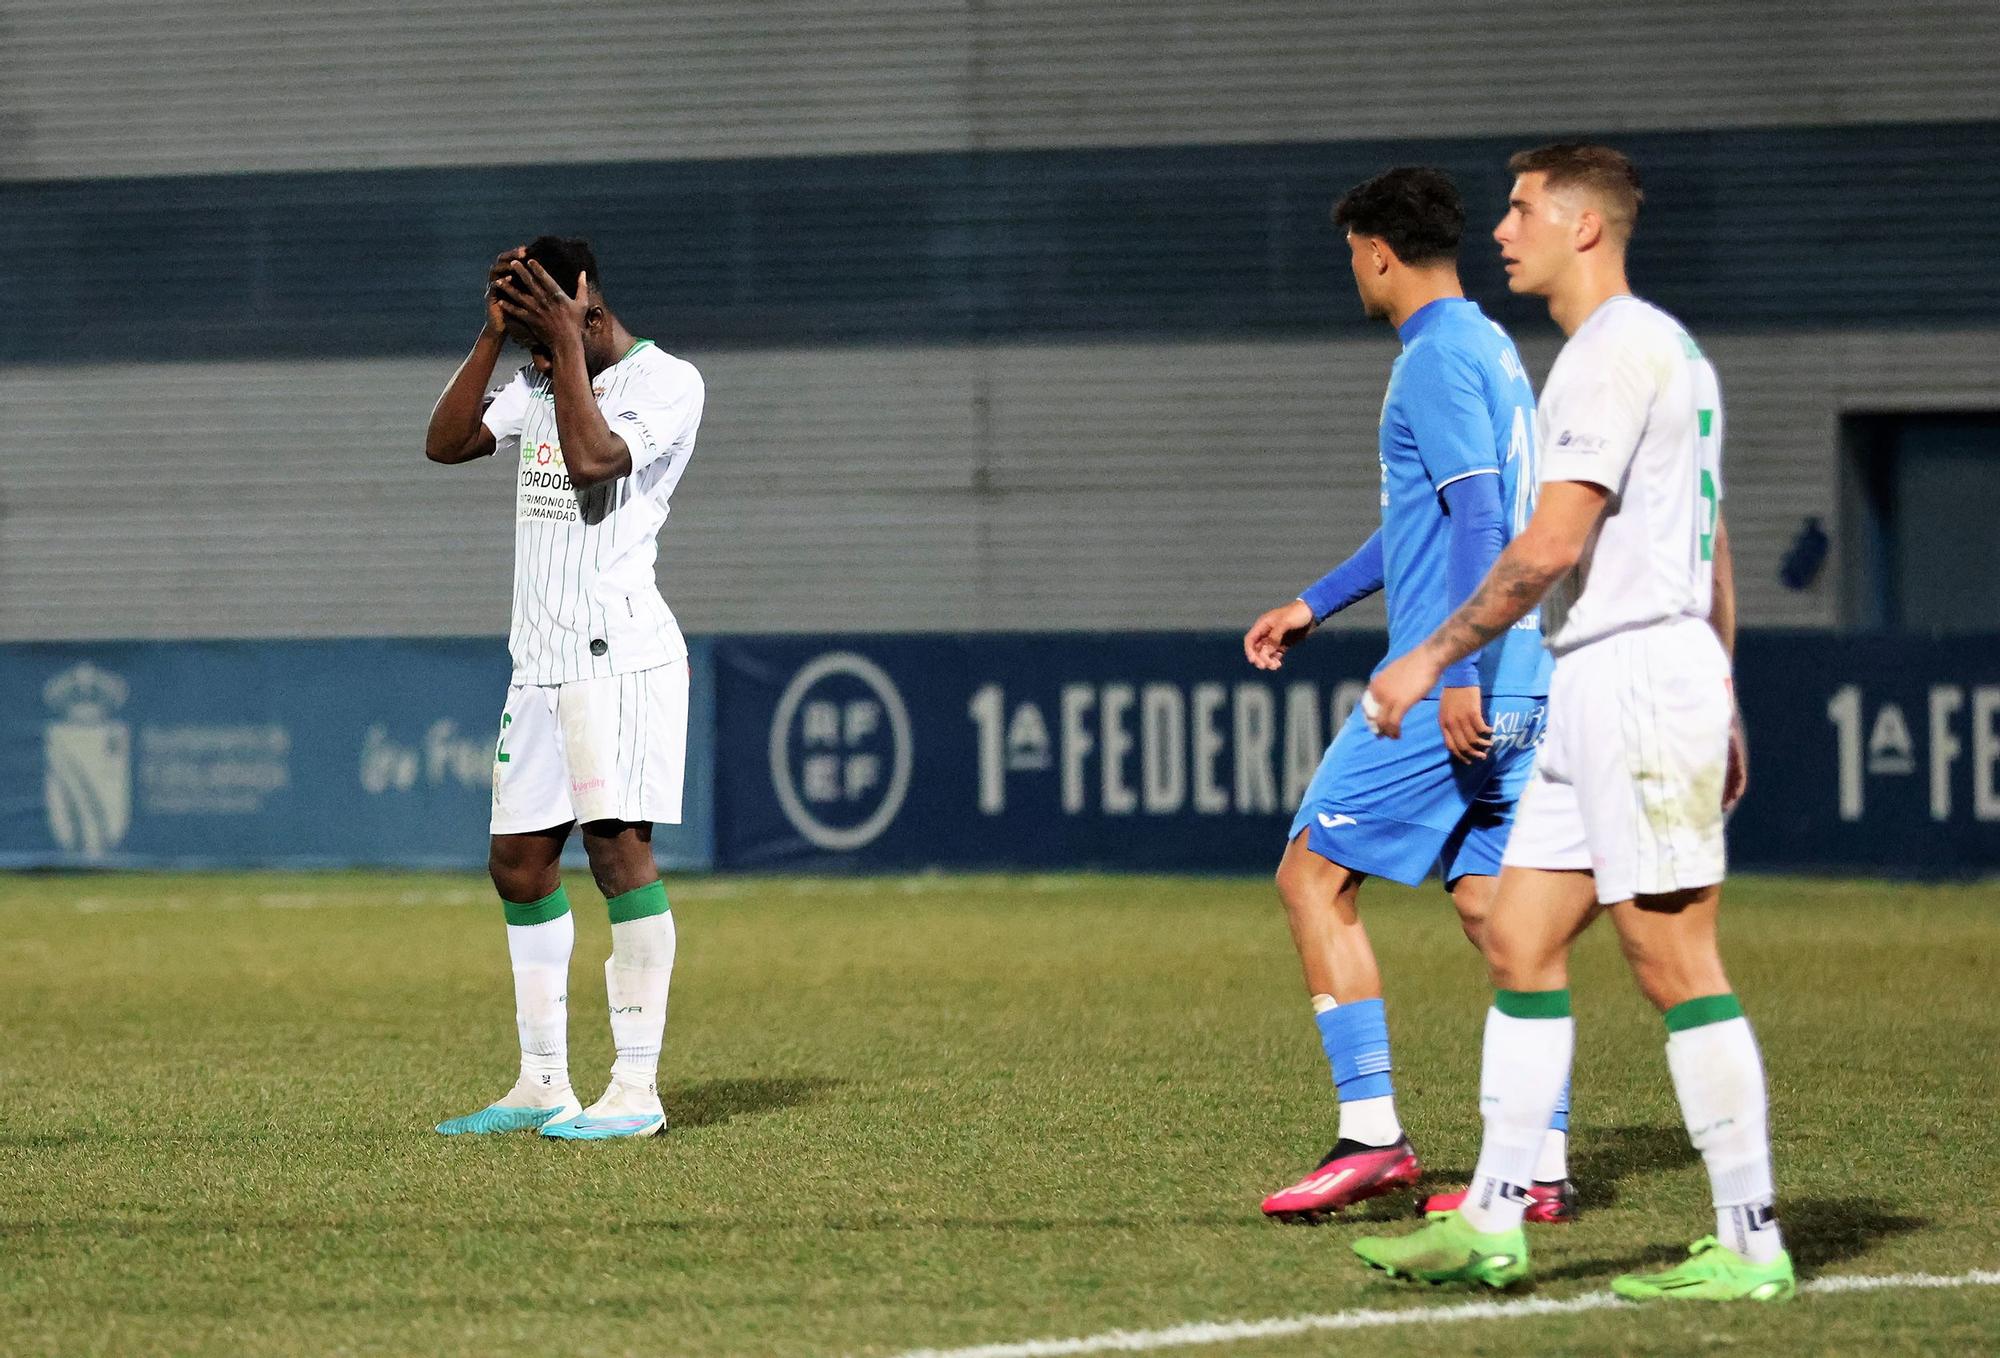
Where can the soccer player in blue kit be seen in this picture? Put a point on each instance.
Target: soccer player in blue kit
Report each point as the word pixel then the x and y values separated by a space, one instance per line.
pixel 1458 481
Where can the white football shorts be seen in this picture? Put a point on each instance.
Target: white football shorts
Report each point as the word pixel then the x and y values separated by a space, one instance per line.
pixel 1628 781
pixel 613 748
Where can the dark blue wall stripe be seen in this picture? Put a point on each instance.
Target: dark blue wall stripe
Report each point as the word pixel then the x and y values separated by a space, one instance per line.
pixel 1817 227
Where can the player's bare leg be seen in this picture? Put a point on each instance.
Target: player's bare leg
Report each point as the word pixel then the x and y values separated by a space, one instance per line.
pixel 636 979
pixel 540 934
pixel 1670 942
pixel 1537 913
pixel 1322 907
pixel 1552 1197
pixel 1529 1037
pixel 1371 1155
pixel 1472 896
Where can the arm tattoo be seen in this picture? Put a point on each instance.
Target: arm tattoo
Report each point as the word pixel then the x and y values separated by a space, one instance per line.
pixel 1510 590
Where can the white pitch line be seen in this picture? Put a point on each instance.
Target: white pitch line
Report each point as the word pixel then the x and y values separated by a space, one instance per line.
pixel 1864 1282
pixel 271 900
pixel 1233 1331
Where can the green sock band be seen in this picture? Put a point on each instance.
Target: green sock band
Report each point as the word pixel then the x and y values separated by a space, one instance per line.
pixel 639 903
pixel 552 906
pixel 1699 1013
pixel 1535 1004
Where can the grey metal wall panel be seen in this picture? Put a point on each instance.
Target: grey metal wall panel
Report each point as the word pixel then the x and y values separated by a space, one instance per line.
pixel 1061 74
pixel 1081 485
pixel 143 87
pixel 243 499
pixel 110 87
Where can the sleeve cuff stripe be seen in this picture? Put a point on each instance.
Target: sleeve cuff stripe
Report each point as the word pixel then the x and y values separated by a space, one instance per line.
pixel 1462 476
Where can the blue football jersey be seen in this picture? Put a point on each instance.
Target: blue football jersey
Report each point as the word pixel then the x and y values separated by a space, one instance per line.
pixel 1459 404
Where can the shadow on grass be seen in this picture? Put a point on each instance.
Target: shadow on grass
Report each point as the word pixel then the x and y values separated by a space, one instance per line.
pixel 1818 1232
pixel 1600 1159
pixel 714 1101
pixel 894 1222
pixel 1823 1231
pixel 40 1141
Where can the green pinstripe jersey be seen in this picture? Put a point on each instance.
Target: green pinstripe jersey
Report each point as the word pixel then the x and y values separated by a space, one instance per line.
pixel 586 603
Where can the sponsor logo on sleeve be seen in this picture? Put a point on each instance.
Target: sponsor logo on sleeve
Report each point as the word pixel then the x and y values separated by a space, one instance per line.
pixel 631 417
pixel 1572 441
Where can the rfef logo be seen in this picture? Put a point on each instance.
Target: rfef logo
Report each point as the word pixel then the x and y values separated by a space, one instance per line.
pixel 87 783
pixel 841 751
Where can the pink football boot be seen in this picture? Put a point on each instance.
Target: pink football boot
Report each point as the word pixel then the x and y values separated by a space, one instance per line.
pixel 1350 1173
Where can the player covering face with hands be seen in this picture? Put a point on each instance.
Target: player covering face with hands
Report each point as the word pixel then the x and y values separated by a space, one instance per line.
pixel 598 427
pixel 1627 554
pixel 1457 470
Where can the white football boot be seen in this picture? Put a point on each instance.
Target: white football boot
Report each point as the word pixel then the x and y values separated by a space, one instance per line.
pixel 625 1110
pixel 527 1106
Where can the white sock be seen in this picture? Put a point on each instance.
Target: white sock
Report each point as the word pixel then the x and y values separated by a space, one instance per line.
pixel 1522 1070
pixel 1719 1077
pixel 1372 1122
pixel 1552 1165
pixel 540 957
pixel 636 979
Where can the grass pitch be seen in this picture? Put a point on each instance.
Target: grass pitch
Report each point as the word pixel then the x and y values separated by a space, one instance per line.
pixel 915 1112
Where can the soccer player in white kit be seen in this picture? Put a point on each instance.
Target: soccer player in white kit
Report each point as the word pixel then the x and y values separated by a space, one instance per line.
pixel 1624 814
pixel 599 428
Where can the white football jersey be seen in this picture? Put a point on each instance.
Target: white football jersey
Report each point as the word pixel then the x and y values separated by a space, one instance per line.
pixel 1632 406
pixel 586 604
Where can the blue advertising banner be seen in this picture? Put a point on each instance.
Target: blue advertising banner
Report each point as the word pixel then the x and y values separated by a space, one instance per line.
pixel 1169 753
pixel 272 754
pixel 1878 754
pixel 1144 752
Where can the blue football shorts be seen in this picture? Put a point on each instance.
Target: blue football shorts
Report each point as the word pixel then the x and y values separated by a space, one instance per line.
pixel 1398 808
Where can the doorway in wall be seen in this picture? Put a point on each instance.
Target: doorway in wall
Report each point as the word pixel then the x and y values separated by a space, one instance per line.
pixel 1920 513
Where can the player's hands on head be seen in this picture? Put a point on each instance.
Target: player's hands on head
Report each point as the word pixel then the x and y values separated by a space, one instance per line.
pixel 496 319
pixel 1276 632
pixel 530 299
pixel 1398 688
pixel 1463 721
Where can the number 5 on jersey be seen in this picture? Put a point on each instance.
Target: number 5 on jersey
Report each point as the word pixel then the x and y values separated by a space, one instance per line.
pixel 1710 499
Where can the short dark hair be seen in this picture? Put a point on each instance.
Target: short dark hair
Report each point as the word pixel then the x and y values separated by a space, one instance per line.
pixel 1414 208
pixel 1607 174
pixel 565 257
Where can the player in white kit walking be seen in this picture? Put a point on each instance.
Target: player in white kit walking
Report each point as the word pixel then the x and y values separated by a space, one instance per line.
pixel 1624 814
pixel 599 427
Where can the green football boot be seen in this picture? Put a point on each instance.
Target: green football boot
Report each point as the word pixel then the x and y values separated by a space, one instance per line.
pixel 1447 1250
pixel 1712 1272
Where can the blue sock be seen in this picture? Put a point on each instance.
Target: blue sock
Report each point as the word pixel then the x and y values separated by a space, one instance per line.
pixel 1560 1122
pixel 1356 1039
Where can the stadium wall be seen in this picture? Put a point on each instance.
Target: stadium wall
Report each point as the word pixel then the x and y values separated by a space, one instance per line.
pixel 1013 316
pixel 237 85
pixel 1079 485
pixel 1142 752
